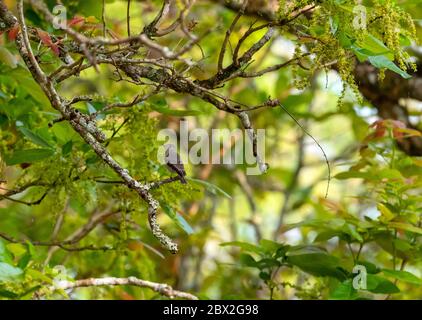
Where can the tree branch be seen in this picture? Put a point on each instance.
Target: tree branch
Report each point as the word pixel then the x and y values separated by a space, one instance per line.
pixel 163 289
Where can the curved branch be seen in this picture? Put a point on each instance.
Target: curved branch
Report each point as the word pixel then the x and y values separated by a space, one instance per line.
pixel 161 288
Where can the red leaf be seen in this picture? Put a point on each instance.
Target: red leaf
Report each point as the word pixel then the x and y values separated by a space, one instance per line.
pixel 55 48
pixel 76 20
pixel 14 32
pixel 379 132
pixel 380 128
pixel 46 39
pixel 397 134
pixel 398 129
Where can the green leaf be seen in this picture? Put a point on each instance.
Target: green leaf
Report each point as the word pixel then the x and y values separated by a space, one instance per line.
pixel 334 22
pixel 351 230
pixel 396 247
pixel 63 132
pixel 67 148
pixel 267 263
pixel 344 291
pixel 344 39
pixel 353 174
pixel 8 294
pixel 378 175
pixel 37 275
pixel 377 284
pixel 326 235
pixel 210 187
pixel 34 137
pixel 271 247
pixel 403 276
pixel 164 109
pixel 184 224
pixel 5 255
pixel 24 261
pixel 374 46
pixel 8 58
pixel 249 247
pixel 385 212
pixel 265 276
pixel 178 219
pixel 405 226
pixel 370 46
pixel 383 62
pixel 16 249
pixel 316 263
pixel 28 156
pixel 27 83
pixel 247 260
pixel 370 267
pixel 9 272
pixel 388 174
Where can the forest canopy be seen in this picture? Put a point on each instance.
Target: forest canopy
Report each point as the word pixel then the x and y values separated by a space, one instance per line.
pixel 210 149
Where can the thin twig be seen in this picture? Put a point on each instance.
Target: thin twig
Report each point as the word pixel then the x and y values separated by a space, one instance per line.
pixel 103 18
pixel 317 143
pixel 128 18
pixel 55 244
pixel 228 33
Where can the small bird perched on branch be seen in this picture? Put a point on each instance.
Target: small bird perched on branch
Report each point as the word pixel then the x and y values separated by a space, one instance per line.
pixel 174 163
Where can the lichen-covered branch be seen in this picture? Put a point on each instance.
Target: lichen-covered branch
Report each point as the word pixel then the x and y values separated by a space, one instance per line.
pixel 161 288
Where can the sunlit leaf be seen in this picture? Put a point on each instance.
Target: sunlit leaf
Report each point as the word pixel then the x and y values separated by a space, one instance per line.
pixel 403 276
pixel 177 218
pixel 210 187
